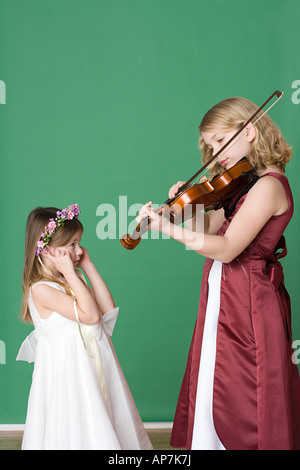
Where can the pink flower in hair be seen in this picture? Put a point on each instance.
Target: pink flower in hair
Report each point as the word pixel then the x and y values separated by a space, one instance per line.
pixel 52 225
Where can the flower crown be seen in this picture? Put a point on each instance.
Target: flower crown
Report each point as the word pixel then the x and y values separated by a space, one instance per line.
pixel 66 214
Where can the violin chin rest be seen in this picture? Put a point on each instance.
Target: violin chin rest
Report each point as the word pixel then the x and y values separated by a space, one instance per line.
pixel 128 242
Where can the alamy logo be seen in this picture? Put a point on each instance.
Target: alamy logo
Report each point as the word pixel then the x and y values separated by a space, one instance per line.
pixel 2 353
pixel 2 92
pixel 296 353
pixel 296 94
pixel 111 217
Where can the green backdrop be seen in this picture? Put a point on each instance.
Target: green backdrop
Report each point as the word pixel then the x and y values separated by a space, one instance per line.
pixel 104 99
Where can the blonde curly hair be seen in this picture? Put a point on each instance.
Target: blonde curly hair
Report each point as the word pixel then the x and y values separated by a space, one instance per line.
pixel 268 147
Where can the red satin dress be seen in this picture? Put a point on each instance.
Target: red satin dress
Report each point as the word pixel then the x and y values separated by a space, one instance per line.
pixel 256 385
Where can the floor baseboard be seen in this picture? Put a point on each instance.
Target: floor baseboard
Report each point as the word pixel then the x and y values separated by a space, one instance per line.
pixel 148 425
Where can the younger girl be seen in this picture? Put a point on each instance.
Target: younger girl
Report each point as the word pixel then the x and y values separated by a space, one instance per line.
pixel 241 389
pixel 79 398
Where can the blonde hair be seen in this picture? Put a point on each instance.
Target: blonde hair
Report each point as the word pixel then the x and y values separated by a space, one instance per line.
pixel 33 270
pixel 268 147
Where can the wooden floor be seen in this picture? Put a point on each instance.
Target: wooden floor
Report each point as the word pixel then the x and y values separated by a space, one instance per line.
pixel 12 440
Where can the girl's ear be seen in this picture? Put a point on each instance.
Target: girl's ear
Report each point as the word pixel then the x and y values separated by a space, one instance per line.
pixel 251 132
pixel 49 249
pixel 44 255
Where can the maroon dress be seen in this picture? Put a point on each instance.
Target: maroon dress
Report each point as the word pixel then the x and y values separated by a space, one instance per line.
pixel 256 394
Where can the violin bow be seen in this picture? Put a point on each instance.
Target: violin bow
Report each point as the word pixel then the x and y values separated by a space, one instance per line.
pixel 214 157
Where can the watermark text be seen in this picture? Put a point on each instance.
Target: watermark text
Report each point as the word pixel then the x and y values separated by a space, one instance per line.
pixel 2 353
pixel 296 94
pixel 2 92
pixel 115 222
pixel 296 354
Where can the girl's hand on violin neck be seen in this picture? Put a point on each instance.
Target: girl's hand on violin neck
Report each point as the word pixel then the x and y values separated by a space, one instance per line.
pixel 146 211
pixel 156 221
pixel 174 189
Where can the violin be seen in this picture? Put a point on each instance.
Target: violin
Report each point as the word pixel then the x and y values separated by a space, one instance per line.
pixel 212 195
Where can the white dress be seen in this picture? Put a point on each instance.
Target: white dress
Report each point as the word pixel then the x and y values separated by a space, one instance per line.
pixel 78 402
pixel 204 433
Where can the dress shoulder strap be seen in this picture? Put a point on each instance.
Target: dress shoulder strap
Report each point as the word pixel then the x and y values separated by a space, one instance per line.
pixel 49 283
pixel 33 310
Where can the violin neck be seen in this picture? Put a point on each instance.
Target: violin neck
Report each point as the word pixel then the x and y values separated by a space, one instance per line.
pixel 142 228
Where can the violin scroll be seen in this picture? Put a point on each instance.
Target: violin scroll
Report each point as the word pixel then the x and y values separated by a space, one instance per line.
pixel 129 243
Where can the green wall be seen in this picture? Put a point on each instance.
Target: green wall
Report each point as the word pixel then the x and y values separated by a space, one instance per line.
pixel 104 99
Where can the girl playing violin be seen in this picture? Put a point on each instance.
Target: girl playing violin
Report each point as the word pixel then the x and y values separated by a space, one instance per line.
pixel 241 389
